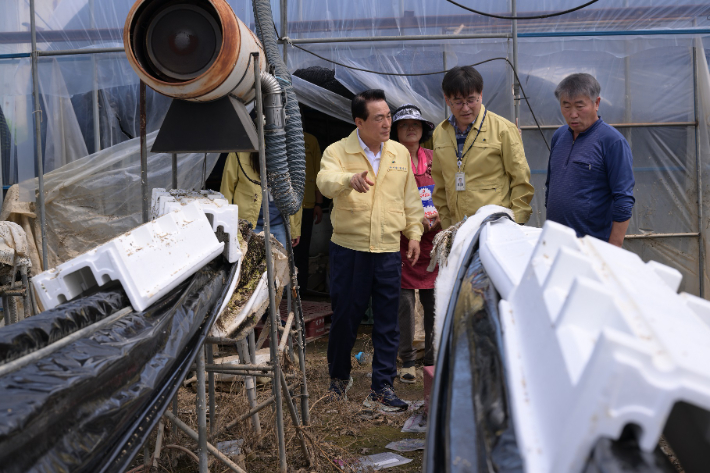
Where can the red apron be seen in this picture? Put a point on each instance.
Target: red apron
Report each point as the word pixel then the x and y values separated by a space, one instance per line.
pixel 418 277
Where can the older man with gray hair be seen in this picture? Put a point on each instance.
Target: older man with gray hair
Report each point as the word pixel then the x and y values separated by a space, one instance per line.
pixel 590 178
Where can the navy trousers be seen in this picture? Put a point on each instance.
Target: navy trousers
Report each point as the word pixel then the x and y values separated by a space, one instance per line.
pixel 355 276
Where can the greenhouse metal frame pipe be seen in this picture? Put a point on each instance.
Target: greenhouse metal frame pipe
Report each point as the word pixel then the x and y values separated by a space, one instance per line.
pixel 618 125
pixel 209 350
pixel 284 28
pixel 269 266
pixel 201 411
pixel 195 436
pixel 374 39
pixel 38 137
pixel 95 88
pixel 145 192
pixel 649 236
pixel 516 84
pixel 699 178
pixel 175 171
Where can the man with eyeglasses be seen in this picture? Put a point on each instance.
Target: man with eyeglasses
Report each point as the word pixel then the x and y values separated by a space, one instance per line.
pixel 478 155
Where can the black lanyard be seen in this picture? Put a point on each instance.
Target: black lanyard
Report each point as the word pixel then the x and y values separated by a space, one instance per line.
pixel 459 157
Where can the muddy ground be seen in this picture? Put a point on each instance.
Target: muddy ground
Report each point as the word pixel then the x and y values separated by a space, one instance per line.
pixel 339 433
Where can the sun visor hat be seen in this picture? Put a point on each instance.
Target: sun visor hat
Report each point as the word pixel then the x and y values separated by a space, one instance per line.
pixel 410 112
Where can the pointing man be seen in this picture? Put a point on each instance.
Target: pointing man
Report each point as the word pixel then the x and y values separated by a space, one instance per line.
pixel 375 198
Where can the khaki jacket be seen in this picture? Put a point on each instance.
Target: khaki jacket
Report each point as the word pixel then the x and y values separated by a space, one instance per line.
pixel 313 156
pixel 495 168
pixel 239 190
pixel 372 221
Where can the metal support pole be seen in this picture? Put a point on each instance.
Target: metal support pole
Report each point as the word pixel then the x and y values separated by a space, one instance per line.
pixel 446 106
pixel 175 412
pixel 269 268
pixel 699 177
pixel 252 345
pixel 249 414
pixel 284 28
pixel 294 419
pixel 305 414
pixel 95 91
pixel 250 384
pixel 145 194
pixel 210 387
pixel 175 172
pixel 38 137
pixel 377 39
pixel 516 86
pixel 211 448
pixel 201 412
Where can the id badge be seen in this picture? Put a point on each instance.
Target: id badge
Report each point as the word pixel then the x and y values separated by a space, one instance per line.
pixel 460 181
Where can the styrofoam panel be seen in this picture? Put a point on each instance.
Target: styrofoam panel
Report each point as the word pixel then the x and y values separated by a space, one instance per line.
pixel 149 261
pixel 594 339
pixel 223 216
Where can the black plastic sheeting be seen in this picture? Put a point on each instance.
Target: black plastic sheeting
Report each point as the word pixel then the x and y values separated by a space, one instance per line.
pixel 91 405
pixel 39 331
pixel 624 456
pixel 470 426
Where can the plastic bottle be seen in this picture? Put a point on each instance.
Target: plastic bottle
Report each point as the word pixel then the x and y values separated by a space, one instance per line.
pixel 363 358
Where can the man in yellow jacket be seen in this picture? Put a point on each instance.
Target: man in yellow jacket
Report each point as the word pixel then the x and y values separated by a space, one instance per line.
pixel 241 185
pixel 478 155
pixel 375 198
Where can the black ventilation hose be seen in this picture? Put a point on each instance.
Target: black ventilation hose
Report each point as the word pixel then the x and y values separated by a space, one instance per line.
pixel 285 166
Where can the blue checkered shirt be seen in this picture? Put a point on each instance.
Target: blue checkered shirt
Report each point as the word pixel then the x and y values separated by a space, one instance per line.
pixel 460 135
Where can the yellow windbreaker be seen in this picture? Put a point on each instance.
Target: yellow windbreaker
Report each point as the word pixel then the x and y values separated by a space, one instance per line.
pixel 372 221
pixel 495 169
pixel 239 190
pixel 313 156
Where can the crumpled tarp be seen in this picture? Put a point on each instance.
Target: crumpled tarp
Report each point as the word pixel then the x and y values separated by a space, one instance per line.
pixel 13 243
pixel 90 405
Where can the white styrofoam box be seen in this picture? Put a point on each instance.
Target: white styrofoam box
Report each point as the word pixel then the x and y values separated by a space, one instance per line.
pixel 149 261
pixel 594 340
pixel 223 216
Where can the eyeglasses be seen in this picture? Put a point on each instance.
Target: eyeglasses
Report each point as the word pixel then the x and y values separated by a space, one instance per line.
pixel 458 103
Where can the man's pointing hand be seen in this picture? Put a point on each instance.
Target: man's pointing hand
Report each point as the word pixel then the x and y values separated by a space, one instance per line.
pixel 360 182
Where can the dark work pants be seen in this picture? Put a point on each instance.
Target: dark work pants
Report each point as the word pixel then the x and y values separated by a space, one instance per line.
pixel 355 276
pixel 407 325
pixel 301 252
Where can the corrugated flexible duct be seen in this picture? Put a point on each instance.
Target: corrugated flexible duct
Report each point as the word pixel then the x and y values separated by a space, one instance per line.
pixel 286 171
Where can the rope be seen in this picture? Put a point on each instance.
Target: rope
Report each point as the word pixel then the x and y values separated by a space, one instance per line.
pixel 525 96
pixel 532 17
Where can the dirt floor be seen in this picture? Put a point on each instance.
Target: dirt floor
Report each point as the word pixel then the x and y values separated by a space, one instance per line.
pixel 338 435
